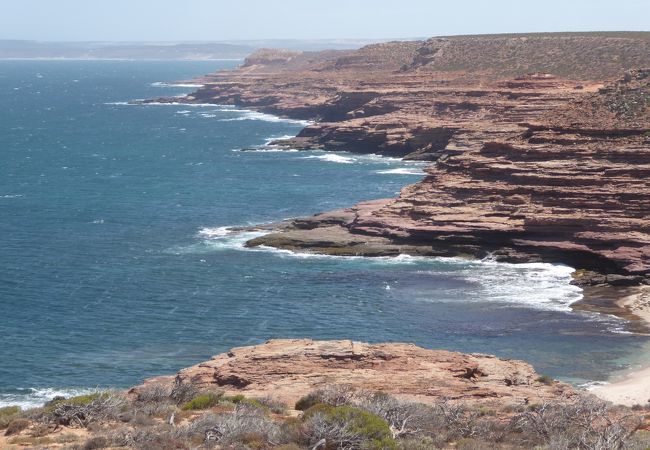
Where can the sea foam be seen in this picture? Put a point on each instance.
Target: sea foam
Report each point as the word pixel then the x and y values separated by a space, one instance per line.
pixel 402 171
pixel 332 157
pixel 541 286
pixel 34 397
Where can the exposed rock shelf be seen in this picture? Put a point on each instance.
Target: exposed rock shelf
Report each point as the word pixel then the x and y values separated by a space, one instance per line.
pixel 528 167
pixel 288 369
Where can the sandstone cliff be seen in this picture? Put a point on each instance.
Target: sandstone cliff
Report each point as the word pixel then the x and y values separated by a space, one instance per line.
pixel 550 165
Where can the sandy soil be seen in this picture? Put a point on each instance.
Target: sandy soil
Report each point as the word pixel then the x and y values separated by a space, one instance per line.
pixel 634 388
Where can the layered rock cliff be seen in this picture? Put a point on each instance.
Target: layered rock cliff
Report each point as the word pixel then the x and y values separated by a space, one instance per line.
pixel 550 165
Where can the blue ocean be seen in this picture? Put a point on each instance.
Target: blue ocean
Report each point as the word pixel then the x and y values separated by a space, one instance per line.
pixel 117 262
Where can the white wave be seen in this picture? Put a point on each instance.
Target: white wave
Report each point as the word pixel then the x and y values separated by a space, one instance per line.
pixel 270 139
pixel 332 157
pixel 402 171
pixel 188 85
pixel 35 397
pixel 11 196
pixel 263 149
pixel 189 105
pixel 215 232
pixel 539 286
pixel 536 285
pixel 184 111
pixel 255 115
pixel 207 115
pixel 592 385
pixel 375 158
pixel 219 238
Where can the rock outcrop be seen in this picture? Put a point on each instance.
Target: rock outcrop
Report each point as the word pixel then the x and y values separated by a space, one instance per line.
pixel 288 369
pixel 528 166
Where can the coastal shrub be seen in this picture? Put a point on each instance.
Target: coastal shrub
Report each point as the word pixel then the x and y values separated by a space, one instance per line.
pixel 347 427
pixel 84 409
pixel 243 423
pixel 306 402
pixel 79 400
pixel 336 394
pixel 403 418
pixel 182 392
pixel 545 379
pixel 8 414
pixel 202 401
pixel 420 443
pixel 161 437
pixel 154 393
pixel 96 442
pixel 333 395
pixel 272 404
pixel 587 423
pixel 16 426
pixel 461 421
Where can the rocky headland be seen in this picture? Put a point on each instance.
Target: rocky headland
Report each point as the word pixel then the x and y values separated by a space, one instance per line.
pixel 289 369
pixel 539 145
pixel 303 394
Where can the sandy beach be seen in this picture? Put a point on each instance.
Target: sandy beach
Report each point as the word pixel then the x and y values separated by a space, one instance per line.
pixel 633 388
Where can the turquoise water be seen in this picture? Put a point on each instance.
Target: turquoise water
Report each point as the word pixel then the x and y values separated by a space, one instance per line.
pixel 116 262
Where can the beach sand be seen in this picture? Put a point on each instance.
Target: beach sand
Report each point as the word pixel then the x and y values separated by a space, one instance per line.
pixel 634 387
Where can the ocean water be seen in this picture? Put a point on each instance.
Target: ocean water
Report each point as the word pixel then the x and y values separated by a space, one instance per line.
pixel 117 263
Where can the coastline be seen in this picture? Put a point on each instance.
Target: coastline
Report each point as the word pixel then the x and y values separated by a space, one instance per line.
pixel 381 227
pixel 638 303
pixel 633 387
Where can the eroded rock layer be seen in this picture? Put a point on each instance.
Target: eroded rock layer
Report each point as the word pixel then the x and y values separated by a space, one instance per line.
pixel 288 369
pixel 528 166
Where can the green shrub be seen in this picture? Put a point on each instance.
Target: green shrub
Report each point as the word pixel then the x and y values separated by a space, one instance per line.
pixel 371 429
pixel 234 398
pixel 202 401
pixel 8 414
pixel 368 425
pixel 79 400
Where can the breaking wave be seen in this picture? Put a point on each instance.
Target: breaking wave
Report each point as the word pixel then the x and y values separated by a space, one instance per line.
pixel 402 171
pixel 34 397
pixel 539 286
pixel 332 157
pixel 255 115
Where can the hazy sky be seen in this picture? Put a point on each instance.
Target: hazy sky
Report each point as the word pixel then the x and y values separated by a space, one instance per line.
pixel 173 20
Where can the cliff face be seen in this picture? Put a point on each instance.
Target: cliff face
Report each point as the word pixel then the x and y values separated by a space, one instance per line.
pixel 543 166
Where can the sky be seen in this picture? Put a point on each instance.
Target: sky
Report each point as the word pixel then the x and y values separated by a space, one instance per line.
pixel 212 20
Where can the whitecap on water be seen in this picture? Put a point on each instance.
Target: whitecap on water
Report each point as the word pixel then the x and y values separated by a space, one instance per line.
pixel 255 115
pixel 332 157
pixel 187 85
pixel 402 171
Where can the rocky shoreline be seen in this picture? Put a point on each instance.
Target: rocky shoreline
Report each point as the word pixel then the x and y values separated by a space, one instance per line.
pixel 294 394
pixel 525 167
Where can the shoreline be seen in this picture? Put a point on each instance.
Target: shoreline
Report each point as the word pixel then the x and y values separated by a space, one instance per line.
pixel 633 386
pixel 631 303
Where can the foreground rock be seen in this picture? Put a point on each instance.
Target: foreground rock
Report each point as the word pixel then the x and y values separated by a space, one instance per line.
pixel 289 369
